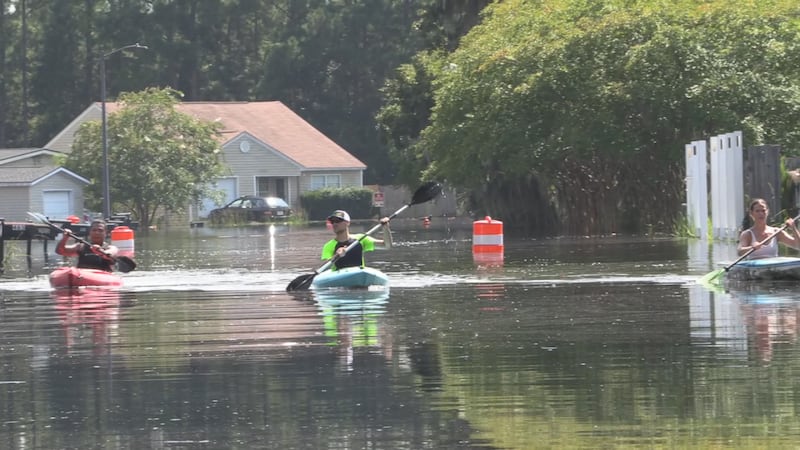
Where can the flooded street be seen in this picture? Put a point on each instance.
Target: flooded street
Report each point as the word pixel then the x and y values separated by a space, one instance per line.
pixel 569 343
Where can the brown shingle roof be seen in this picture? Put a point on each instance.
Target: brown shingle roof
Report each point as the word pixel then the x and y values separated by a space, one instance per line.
pixel 277 126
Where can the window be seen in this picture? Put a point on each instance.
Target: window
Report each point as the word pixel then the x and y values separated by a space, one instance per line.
pixel 325 181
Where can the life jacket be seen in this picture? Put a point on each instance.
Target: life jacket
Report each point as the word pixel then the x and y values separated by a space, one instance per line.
pixel 87 259
pixel 353 258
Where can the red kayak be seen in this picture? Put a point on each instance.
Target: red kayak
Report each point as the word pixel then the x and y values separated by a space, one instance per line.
pixel 72 277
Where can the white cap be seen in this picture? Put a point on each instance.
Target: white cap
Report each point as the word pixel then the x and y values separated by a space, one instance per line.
pixel 339 214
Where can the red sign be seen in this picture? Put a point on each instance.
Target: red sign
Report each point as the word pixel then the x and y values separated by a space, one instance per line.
pixel 377 199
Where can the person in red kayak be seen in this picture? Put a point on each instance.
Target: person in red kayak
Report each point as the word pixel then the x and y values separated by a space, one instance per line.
pixel 340 221
pixel 100 255
pixel 759 237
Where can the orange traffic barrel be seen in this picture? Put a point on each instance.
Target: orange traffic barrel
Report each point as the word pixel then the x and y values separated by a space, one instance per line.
pixel 487 241
pixel 122 238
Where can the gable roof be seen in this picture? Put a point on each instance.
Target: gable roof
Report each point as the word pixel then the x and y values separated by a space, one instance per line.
pixel 9 155
pixel 274 124
pixel 28 176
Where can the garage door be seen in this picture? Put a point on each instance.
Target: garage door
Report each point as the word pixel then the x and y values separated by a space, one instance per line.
pixel 57 204
pixel 226 185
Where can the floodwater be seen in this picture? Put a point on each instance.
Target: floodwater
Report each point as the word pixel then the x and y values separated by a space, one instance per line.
pixel 567 343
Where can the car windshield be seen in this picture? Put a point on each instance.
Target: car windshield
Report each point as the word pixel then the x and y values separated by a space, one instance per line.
pixel 257 202
pixel 275 202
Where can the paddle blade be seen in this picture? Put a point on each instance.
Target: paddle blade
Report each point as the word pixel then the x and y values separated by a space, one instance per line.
pixel 40 218
pixel 301 283
pixel 125 264
pixel 712 279
pixel 426 192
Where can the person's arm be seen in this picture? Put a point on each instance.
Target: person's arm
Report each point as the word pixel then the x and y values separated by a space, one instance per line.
pixel 744 242
pixel 329 249
pixel 386 242
pixel 68 250
pixel 107 251
pixel 387 233
pixel 791 239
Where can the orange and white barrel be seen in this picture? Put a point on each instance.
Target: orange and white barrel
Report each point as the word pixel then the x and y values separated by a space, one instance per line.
pixel 487 241
pixel 122 238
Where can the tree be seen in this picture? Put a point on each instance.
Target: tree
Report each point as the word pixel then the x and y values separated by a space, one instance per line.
pixel 160 158
pixel 583 107
pixel 59 86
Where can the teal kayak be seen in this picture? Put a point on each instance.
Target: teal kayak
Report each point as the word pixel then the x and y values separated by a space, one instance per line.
pixel 778 268
pixel 350 277
pixel 352 301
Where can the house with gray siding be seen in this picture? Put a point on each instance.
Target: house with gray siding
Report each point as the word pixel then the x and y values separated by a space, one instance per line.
pixel 30 180
pixel 267 150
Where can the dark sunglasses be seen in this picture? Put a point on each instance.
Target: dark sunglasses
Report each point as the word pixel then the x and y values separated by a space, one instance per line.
pixel 335 220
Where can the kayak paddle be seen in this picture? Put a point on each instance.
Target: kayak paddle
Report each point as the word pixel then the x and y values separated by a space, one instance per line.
pixel 712 278
pixel 424 193
pixel 124 263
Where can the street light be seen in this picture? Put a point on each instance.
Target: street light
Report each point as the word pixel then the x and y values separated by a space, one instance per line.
pixel 106 174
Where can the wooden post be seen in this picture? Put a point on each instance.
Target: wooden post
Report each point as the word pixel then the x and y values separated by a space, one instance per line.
pixel 2 244
pixel 763 175
pixel 28 253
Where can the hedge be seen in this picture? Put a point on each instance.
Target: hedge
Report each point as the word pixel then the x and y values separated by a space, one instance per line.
pixel 319 203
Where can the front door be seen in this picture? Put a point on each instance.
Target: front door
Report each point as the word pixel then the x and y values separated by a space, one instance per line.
pixel 271 187
pixel 280 188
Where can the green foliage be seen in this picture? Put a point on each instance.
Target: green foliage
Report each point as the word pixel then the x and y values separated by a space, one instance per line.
pixel 595 101
pixel 55 75
pixel 326 60
pixel 404 115
pixel 788 192
pixel 159 158
pixel 681 227
pixel 318 204
pixel 581 105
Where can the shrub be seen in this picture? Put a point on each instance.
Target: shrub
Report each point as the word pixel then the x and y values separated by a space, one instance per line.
pixel 318 204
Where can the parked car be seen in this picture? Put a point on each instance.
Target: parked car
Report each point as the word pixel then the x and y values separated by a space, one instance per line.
pixel 251 209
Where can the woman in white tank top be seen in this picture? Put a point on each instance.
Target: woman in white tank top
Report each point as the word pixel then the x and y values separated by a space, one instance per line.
pixel 757 237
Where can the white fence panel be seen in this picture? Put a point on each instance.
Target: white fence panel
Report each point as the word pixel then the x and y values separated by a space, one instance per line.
pixel 723 159
pixel 727 181
pixel 697 188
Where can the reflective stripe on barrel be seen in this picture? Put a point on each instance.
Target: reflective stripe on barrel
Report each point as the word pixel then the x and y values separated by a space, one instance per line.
pixel 122 238
pixel 487 236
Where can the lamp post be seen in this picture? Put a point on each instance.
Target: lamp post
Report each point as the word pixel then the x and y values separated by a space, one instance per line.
pixel 106 172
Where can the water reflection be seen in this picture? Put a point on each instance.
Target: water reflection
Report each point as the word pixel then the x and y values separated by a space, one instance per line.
pixel 352 321
pixel 88 316
pixel 587 343
pixel 770 316
pixel 748 320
